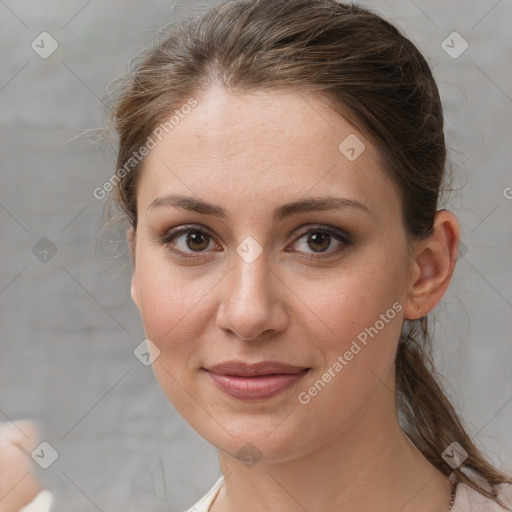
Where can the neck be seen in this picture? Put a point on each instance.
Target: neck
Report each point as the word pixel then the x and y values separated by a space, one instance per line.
pixel 370 465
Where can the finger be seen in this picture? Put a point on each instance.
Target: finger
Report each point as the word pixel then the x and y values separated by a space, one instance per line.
pixel 22 433
pixel 18 482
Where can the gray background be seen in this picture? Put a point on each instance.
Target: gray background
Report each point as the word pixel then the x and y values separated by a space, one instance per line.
pixel 68 326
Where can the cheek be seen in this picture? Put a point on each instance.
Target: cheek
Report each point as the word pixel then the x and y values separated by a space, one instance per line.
pixel 173 315
pixel 171 306
pixel 358 312
pixel 364 320
pixel 353 297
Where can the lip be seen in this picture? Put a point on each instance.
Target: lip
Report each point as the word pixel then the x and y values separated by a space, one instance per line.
pixel 243 369
pixel 255 381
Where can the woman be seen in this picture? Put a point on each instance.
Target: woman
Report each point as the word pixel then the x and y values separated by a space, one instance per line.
pixel 280 165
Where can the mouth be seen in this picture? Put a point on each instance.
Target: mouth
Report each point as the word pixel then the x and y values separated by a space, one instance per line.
pixel 243 369
pixel 257 381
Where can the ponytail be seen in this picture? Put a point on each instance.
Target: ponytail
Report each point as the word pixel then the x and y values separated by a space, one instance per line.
pixel 430 420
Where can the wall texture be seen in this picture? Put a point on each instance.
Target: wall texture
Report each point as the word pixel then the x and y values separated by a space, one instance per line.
pixel 68 327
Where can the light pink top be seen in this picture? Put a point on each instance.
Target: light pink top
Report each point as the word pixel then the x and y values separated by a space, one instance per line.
pixel 466 499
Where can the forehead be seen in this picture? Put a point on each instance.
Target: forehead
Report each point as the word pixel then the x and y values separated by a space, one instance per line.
pixel 254 151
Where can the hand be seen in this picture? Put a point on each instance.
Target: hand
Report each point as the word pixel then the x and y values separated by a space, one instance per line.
pixel 18 483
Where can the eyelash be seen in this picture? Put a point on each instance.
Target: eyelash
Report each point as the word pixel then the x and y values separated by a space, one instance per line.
pixel 341 236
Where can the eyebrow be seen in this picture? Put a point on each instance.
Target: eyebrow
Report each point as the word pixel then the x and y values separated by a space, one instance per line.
pixel 286 210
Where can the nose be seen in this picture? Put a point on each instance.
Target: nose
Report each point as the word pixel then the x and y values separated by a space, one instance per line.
pixel 252 304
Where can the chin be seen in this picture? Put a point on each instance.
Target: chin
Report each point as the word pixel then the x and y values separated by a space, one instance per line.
pixel 257 439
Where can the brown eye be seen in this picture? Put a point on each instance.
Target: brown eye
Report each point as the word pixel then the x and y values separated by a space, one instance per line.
pixel 320 239
pixel 197 240
pixel 185 241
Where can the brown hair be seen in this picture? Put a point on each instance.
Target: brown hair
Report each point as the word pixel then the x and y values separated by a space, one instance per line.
pixel 377 79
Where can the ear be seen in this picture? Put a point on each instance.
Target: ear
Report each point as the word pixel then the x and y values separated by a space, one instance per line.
pixel 131 238
pixel 433 266
pixel 133 290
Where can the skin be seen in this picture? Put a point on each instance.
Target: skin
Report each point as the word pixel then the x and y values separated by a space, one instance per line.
pixel 19 484
pixel 251 153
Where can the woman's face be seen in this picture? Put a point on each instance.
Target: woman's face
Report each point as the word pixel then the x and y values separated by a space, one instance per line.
pixel 321 289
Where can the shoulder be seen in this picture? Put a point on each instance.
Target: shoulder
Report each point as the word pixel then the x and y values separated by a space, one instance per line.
pixel 203 504
pixel 469 500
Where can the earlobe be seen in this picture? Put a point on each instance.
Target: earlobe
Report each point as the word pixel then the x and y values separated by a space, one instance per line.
pixel 434 264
